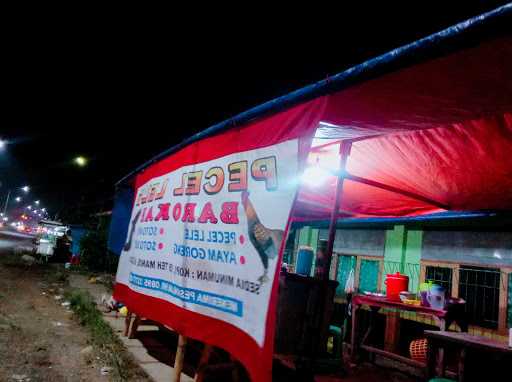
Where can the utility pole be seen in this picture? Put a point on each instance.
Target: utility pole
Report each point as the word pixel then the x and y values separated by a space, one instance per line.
pixel 7 201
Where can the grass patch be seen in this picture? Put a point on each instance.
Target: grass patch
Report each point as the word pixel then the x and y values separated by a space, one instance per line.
pixel 10 259
pixel 103 338
pixel 56 275
pixel 104 278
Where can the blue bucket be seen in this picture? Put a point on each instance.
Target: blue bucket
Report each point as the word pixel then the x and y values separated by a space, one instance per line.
pixel 304 261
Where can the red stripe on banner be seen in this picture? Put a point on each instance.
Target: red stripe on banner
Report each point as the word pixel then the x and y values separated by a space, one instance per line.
pixel 298 122
pixel 201 328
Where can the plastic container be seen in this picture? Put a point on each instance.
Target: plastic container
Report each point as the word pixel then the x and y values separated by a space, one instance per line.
pixel 396 283
pixel 424 289
pixel 418 350
pixel 304 260
pixel 436 297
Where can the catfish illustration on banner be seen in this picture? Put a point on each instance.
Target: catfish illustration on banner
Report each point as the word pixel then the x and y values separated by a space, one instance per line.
pixel 266 241
pixel 128 244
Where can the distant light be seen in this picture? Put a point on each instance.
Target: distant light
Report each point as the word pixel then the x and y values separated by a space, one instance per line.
pixel 43 209
pixel 2 143
pixel 35 211
pixel 1 214
pixel 37 202
pixel 80 161
pixel 18 199
pixel 5 218
pixel 25 188
pixel 29 207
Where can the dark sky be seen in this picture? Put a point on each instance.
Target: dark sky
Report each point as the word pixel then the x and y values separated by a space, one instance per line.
pixel 119 91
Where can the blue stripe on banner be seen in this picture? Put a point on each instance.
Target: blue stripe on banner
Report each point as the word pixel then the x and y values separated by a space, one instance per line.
pixel 194 296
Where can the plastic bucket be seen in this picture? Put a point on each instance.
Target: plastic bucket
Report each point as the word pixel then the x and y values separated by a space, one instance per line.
pixel 396 283
pixel 304 261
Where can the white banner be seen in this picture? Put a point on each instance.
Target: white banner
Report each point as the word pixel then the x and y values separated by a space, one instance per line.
pixel 206 237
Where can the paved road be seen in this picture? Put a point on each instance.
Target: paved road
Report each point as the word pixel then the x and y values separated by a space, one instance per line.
pixel 10 240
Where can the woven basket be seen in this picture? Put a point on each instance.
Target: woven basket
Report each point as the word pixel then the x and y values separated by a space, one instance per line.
pixel 418 350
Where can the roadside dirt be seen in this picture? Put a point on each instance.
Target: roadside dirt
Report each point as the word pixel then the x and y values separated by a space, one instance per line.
pixel 39 340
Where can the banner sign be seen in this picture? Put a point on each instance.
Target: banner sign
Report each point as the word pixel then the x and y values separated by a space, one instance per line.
pixel 206 234
pixel 206 237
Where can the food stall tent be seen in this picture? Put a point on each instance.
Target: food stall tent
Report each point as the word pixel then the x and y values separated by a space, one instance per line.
pixel 424 129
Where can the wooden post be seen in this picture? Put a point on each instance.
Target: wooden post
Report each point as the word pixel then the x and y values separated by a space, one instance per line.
pixel 392 334
pixel 455 280
pixel 205 357
pixel 235 373
pixel 357 272
pixel 503 302
pixel 431 358
pixel 127 323
pixel 180 357
pixel 462 363
pixel 134 327
pixel 353 338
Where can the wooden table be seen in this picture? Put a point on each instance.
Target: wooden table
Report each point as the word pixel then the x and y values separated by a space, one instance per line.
pixel 463 341
pixel 442 318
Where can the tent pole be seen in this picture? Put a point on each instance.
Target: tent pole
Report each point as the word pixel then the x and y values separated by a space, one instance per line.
pixel 345 147
pixel 396 190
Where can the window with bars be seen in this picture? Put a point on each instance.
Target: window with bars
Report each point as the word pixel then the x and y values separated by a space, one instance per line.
pixel 440 275
pixel 369 276
pixel 368 270
pixel 345 265
pixel 480 287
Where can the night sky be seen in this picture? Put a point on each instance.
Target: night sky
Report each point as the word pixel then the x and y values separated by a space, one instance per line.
pixel 120 91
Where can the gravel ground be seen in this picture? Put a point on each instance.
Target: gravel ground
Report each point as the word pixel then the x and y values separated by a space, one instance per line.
pixel 39 340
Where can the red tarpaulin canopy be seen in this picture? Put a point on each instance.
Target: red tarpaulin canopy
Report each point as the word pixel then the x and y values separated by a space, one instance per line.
pixel 433 137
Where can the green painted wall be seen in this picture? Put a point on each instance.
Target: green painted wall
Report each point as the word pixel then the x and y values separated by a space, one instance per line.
pixel 402 253
pixel 308 236
pixel 304 235
pixel 413 258
pixel 393 252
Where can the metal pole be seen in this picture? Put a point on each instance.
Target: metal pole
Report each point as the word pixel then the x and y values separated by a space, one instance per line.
pixel 7 201
pixel 345 147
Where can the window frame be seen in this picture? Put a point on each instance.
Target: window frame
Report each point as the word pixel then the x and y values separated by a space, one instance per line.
pixel 335 262
pixel 505 271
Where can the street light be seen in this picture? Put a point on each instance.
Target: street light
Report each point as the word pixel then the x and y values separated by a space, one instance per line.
pixel 24 188
pixel 37 202
pixel 18 199
pixel 80 161
pixel 2 143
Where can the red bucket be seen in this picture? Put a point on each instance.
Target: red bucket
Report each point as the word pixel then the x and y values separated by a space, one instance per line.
pixel 396 283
